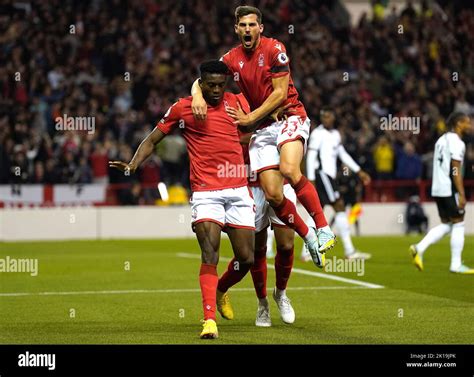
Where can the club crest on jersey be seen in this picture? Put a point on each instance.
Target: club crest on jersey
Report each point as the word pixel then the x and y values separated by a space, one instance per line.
pixel 260 60
pixel 282 58
pixel 241 64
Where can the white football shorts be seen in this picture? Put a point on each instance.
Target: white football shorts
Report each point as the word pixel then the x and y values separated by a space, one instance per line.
pixel 232 207
pixel 265 144
pixel 265 215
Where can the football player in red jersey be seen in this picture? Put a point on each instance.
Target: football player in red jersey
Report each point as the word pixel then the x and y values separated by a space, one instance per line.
pixel 220 201
pixel 284 235
pixel 261 69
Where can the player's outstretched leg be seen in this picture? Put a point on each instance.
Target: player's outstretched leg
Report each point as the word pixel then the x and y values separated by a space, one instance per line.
pixel 272 184
pixel 242 241
pixel 291 155
pixel 259 277
pixel 285 238
pixel 208 235
pixel 433 236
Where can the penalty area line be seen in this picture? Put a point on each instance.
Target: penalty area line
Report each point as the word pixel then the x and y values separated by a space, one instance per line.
pixel 302 272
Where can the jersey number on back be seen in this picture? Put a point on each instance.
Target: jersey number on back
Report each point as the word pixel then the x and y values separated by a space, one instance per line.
pixel 440 152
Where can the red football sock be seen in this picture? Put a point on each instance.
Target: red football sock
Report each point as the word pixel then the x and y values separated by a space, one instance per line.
pixel 283 266
pixel 286 212
pixel 235 272
pixel 259 272
pixel 309 198
pixel 208 281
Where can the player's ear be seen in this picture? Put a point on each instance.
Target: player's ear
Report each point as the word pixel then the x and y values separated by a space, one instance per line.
pixel 261 28
pixel 236 29
pixel 200 82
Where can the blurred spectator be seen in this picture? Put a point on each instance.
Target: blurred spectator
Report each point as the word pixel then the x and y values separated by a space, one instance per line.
pixel 131 196
pixel 84 172
pixel 416 218
pixel 38 175
pixel 172 150
pixel 149 174
pixel 409 165
pixel 384 158
pixel 99 160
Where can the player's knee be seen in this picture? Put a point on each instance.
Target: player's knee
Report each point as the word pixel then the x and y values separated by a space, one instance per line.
pixel 274 195
pixel 291 172
pixel 246 258
pixel 285 247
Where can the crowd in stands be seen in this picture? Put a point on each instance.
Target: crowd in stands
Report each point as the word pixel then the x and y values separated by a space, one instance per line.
pixel 123 63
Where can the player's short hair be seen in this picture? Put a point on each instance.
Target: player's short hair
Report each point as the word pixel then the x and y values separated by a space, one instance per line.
pixel 454 118
pixel 213 66
pixel 245 10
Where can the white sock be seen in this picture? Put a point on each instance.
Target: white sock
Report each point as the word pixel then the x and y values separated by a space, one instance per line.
pixel 270 237
pixel 457 244
pixel 433 236
pixel 342 227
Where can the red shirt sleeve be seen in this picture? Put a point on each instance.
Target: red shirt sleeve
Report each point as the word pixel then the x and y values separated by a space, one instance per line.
pixel 171 119
pixel 280 63
pixel 226 59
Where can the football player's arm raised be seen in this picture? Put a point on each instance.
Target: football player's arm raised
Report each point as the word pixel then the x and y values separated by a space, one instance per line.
pixel 199 105
pixel 145 149
pixel 458 183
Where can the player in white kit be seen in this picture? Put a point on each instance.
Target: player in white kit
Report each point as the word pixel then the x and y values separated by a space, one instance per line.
pixel 448 191
pixel 324 148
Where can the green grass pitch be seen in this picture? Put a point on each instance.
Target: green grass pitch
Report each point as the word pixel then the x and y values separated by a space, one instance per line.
pixel 157 300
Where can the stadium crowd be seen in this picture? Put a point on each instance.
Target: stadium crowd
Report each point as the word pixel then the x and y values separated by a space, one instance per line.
pixel 123 63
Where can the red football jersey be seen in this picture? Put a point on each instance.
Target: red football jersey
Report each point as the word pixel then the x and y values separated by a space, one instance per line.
pixel 252 177
pixel 214 149
pixel 253 72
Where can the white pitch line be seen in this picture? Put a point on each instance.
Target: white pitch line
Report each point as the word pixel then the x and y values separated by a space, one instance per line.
pixel 303 272
pixel 190 290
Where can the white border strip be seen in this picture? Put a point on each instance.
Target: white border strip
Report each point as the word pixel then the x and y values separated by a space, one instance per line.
pixel 303 272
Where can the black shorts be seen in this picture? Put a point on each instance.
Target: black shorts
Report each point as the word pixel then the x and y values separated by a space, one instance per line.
pixel 448 207
pixel 327 188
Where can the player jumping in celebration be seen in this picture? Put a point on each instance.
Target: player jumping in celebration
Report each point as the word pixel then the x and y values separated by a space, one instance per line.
pixel 448 191
pixel 324 148
pixel 261 69
pixel 219 201
pixel 283 261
